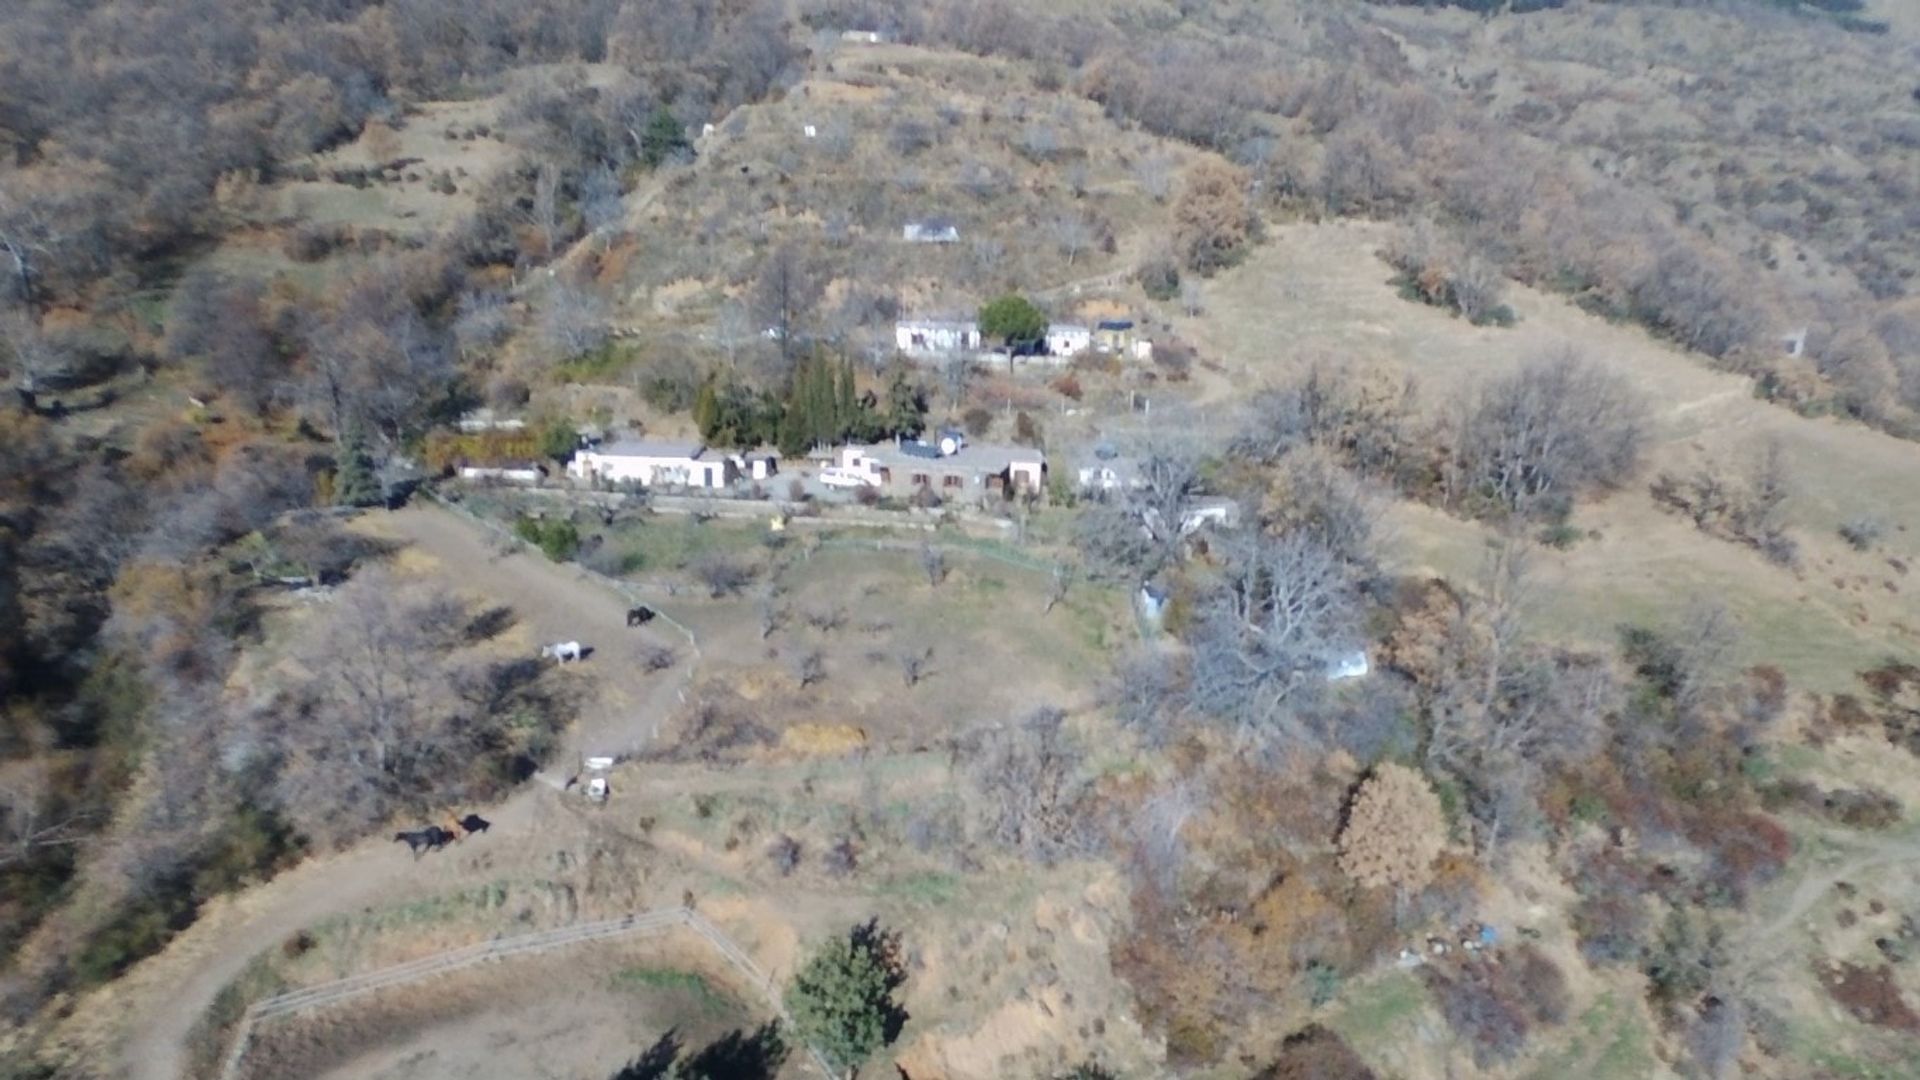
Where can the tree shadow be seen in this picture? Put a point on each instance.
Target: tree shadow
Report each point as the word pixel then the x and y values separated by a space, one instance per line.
pixel 489 624
pixel 884 946
pixel 656 1063
pixel 738 1055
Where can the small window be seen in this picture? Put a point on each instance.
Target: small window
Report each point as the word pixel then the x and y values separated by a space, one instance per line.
pixel 920 478
pixel 951 481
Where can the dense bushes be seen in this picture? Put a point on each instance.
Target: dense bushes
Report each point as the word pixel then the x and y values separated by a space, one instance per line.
pixel 557 538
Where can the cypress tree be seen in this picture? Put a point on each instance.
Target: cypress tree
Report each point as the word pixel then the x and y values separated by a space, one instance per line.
pixel 846 419
pixel 355 484
pixel 706 410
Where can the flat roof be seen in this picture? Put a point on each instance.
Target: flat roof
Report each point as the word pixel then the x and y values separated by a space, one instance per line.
pixel 986 459
pixel 650 449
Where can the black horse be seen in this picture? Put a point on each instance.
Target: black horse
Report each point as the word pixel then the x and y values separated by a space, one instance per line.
pixel 474 823
pixel 639 616
pixel 431 838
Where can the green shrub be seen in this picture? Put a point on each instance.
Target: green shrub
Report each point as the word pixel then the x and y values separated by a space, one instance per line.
pixel 559 540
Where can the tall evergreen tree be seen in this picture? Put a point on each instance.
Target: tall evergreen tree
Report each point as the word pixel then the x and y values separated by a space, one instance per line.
pixel 664 139
pixel 906 407
pixel 706 410
pixel 847 404
pixel 842 1000
pixel 354 483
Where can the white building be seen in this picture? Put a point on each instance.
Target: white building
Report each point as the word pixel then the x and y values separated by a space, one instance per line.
pixel 1069 339
pixel 949 465
pixel 653 463
pixel 488 420
pixel 931 231
pixel 925 336
pixel 506 474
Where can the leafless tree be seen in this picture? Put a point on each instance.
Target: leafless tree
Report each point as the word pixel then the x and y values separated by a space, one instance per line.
pixel 933 562
pixel 721 575
pixel 481 323
pixel 1262 640
pixel 1029 772
pixel 544 211
pixel 914 664
pixel 1059 580
pixel 1503 712
pixel 1154 173
pixel 31 816
pixel 808 667
pixel 373 653
pixel 573 320
pixel 1071 234
pixel 786 293
pixel 1478 287
pixel 29 356
pixel 1145 694
pixel 1192 296
pixel 827 619
pixel 1531 441
pixel 1137 529
pixel 956 373
pixel 772 611
pixel 1363 417
pixel 785 853
pixel 600 195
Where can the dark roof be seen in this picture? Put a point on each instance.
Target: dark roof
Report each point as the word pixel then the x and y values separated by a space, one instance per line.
pixel 919 450
pixel 1116 324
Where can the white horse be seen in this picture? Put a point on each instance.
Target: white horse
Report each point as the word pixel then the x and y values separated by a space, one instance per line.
pixel 562 651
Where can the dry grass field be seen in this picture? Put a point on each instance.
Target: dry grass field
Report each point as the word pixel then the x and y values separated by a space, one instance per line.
pixel 1319 292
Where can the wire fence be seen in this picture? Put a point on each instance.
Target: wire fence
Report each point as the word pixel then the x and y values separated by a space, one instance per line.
pixel 642 923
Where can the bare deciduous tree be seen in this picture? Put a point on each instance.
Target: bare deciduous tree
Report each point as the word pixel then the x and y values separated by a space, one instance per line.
pixel 573 320
pixel 772 611
pixel 721 575
pixel 1059 580
pixel 544 211
pixel 1071 234
pixel 1154 174
pixel 1029 772
pixel 1364 417
pixel 786 293
pixel 31 816
pixel 808 667
pixel 1265 635
pixel 1560 426
pixel 933 562
pixel 914 664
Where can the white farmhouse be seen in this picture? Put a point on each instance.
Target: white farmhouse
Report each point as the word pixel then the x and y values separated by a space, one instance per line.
pixel 652 464
pixel 932 336
pixel 1068 339
pixel 930 231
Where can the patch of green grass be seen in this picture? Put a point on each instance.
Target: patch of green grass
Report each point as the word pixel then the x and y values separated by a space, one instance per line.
pixel 1371 1014
pixel 1831 1052
pixel 1606 1041
pixel 207 1043
pixel 929 888
pixel 667 542
pixel 688 983
pixel 600 365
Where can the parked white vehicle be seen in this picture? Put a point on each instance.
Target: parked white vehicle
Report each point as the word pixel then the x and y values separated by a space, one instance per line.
pixel 836 477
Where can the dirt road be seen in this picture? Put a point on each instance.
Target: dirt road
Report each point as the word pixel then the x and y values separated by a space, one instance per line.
pixel 621 707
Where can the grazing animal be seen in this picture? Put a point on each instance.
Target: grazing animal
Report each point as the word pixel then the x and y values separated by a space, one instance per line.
pixel 474 823
pixel 431 838
pixel 562 651
pixel 639 616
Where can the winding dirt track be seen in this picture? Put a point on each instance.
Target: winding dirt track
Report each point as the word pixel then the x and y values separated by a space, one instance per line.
pixel 620 708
